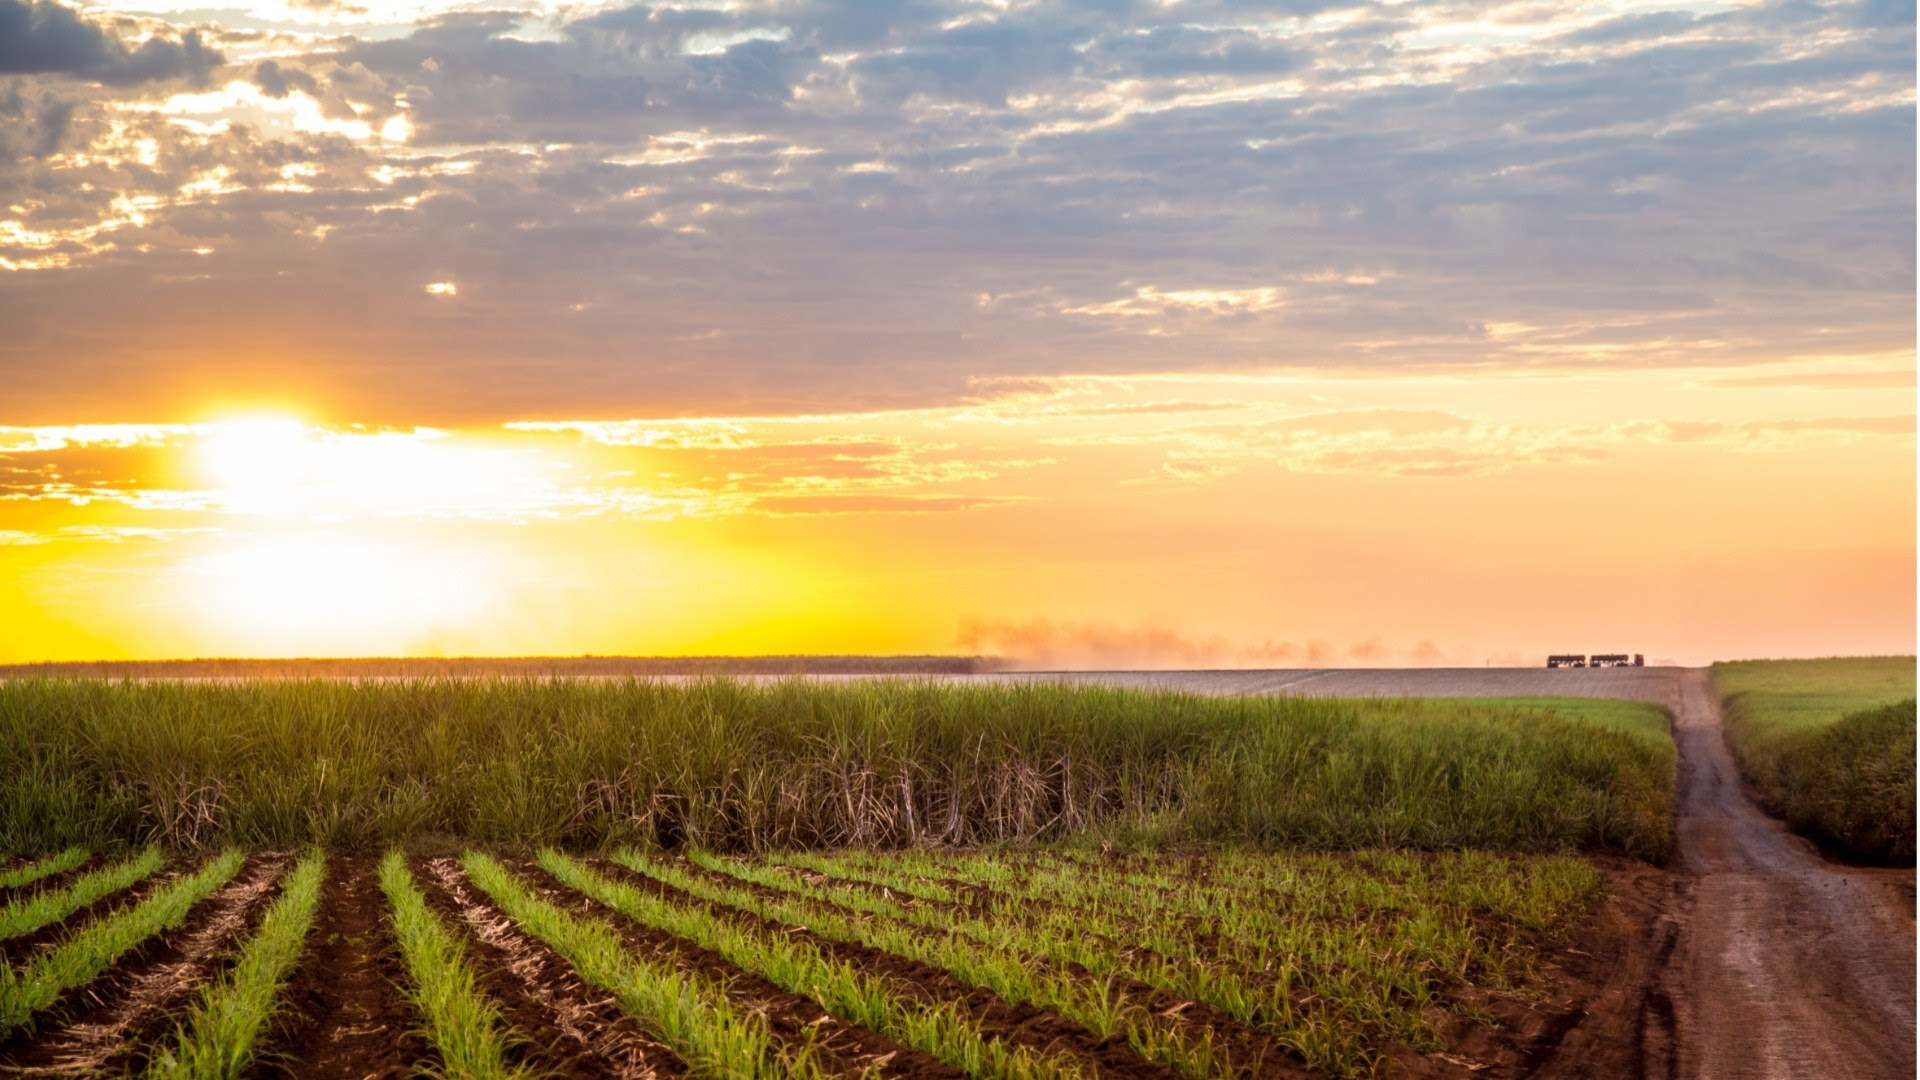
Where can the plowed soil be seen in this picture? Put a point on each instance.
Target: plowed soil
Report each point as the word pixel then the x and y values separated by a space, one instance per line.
pixel 115 1021
pixel 568 1028
pixel 846 1049
pixel 1018 1025
pixel 345 1017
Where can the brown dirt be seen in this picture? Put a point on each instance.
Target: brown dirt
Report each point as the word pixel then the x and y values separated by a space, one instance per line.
pixel 15 950
pixel 1017 1025
pixel 540 994
pixel 1786 964
pixel 846 1049
pixel 113 1022
pixel 345 1017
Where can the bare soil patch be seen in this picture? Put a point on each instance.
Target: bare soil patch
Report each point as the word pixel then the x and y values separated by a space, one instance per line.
pixel 566 1028
pixel 345 1017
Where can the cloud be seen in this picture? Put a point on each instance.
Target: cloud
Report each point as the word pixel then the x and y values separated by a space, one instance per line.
pixel 276 81
pixel 39 37
pixel 1895 379
pixel 808 206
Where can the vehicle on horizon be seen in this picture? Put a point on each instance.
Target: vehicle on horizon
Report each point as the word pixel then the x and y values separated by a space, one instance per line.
pixel 1560 660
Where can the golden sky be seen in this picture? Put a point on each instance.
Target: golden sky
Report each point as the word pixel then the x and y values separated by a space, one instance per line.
pixel 1197 333
pixel 1165 520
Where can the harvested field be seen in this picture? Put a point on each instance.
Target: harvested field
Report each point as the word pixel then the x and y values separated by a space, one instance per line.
pixel 910 966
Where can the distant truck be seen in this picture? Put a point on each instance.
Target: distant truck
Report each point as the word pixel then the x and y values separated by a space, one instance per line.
pixel 1618 659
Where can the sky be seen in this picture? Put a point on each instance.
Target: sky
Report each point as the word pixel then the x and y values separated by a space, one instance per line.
pixel 1175 333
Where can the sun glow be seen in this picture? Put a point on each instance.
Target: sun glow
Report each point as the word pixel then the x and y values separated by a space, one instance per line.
pixel 334 593
pixel 255 455
pixel 327 570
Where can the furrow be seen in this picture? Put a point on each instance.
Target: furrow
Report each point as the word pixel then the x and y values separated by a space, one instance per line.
pixel 1048 1010
pixel 31 920
pixel 30 990
pixel 686 1010
pixel 1174 1030
pixel 1038 1042
pixel 540 994
pixel 133 1001
pixel 50 874
pixel 345 1017
pixel 797 1023
pixel 216 1041
pixel 906 1038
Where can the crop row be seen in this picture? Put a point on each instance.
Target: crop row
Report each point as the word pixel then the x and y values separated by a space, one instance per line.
pixel 1025 966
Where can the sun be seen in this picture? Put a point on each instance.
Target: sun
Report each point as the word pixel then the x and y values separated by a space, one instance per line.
pixel 256 455
pixel 327 553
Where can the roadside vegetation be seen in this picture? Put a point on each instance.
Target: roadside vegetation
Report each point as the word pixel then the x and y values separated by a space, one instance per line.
pixel 1829 746
pixel 782 765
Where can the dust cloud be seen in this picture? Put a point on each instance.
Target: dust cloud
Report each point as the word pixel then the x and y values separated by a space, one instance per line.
pixel 1044 644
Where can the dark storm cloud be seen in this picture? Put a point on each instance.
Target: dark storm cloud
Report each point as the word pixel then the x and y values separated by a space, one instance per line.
pixel 39 37
pixel 276 81
pixel 807 204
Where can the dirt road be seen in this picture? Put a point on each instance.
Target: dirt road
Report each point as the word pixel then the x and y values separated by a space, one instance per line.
pixel 1758 959
pixel 1786 965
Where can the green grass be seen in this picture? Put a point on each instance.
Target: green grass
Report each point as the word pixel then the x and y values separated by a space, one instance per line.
pixel 58 863
pixel 30 913
pixel 463 1023
pixel 756 767
pixel 689 1013
pixel 216 1040
pixel 26 990
pixel 1829 746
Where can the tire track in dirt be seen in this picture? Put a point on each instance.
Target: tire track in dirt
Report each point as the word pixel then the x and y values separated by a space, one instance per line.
pixel 539 993
pixel 115 1018
pixel 846 1049
pixel 344 1017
